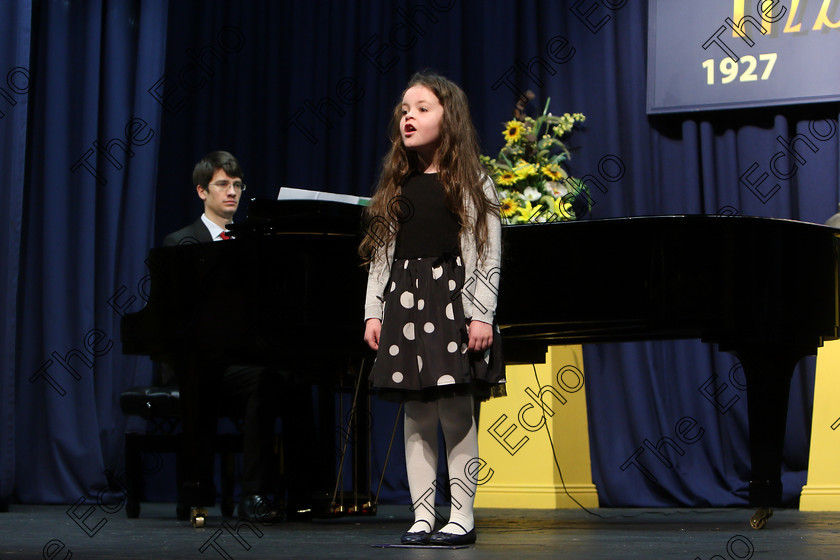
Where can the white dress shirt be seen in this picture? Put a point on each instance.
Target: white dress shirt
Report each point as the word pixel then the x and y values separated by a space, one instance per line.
pixel 215 230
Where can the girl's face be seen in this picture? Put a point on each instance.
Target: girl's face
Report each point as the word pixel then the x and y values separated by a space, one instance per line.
pixel 422 115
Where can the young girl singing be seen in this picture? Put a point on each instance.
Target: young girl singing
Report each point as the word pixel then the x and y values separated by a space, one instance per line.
pixel 434 249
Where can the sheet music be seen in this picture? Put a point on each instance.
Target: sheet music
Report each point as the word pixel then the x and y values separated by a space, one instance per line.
pixel 291 193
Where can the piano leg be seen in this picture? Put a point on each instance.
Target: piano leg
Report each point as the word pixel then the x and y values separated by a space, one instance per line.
pixel 768 370
pixel 198 424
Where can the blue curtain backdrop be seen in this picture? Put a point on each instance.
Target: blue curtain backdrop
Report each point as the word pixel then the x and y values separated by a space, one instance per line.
pixel 15 30
pixel 301 93
pixel 91 166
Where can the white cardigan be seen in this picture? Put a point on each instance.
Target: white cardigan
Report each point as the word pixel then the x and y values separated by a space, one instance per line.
pixel 481 286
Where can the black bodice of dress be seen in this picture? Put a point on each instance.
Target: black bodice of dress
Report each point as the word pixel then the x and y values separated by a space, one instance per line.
pixel 429 229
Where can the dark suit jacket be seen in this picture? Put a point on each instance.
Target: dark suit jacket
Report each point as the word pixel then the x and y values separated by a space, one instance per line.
pixel 196 232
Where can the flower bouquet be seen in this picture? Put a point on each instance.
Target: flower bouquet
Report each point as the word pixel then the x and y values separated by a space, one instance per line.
pixel 532 184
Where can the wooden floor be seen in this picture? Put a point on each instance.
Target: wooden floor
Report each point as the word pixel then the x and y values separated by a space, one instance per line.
pixel 506 534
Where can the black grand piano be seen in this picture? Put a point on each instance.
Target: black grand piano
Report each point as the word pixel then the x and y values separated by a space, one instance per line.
pixel 288 291
pixel 764 289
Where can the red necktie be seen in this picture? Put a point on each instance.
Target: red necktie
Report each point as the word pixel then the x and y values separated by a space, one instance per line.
pixel 224 235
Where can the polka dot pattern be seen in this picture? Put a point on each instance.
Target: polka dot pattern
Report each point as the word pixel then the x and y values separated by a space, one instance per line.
pixel 424 339
pixel 407 300
pixel 408 331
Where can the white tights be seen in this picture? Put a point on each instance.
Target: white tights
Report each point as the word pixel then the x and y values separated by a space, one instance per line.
pixel 457 421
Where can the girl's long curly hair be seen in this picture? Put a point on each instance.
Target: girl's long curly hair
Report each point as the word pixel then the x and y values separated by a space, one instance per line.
pixel 459 170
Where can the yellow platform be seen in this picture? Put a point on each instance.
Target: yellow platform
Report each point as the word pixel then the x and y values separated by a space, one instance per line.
pixel 822 493
pixel 542 423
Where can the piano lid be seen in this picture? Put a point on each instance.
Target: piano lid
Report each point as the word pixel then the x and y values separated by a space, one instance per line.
pixel 718 278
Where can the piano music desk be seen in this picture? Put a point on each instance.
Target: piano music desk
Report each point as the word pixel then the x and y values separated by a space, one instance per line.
pixel 517 458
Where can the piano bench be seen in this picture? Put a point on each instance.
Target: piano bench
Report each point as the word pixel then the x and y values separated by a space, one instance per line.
pixel 151 402
pixel 161 407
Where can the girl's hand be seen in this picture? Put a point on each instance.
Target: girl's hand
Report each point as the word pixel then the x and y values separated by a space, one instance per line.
pixel 372 329
pixel 481 335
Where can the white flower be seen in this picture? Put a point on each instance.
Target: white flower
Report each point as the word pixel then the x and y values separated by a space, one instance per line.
pixel 531 194
pixel 558 189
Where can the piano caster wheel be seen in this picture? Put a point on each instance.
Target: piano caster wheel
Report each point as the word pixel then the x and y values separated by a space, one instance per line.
pixel 336 509
pixel 760 517
pixel 198 516
pixel 368 508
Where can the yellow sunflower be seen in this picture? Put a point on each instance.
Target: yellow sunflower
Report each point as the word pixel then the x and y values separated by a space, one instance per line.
pixel 554 172
pixel 507 178
pixel 508 207
pixel 513 131
pixel 525 169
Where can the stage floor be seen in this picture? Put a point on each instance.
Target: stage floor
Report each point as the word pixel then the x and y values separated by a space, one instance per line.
pixel 506 534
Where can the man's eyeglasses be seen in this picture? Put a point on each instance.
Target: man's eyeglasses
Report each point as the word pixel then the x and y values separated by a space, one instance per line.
pixel 225 185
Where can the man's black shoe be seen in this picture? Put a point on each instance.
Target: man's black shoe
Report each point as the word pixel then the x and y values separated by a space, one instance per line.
pixel 259 509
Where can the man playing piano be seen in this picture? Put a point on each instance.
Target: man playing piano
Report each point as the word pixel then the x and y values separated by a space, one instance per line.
pixel 218 182
pixel 244 391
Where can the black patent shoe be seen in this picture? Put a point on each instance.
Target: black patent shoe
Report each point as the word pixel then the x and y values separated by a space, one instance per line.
pixel 259 509
pixel 449 539
pixel 417 537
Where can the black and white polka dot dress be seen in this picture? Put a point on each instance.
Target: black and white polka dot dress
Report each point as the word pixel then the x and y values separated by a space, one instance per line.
pixel 423 351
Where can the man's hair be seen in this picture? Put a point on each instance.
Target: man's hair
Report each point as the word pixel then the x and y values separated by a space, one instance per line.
pixel 204 169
